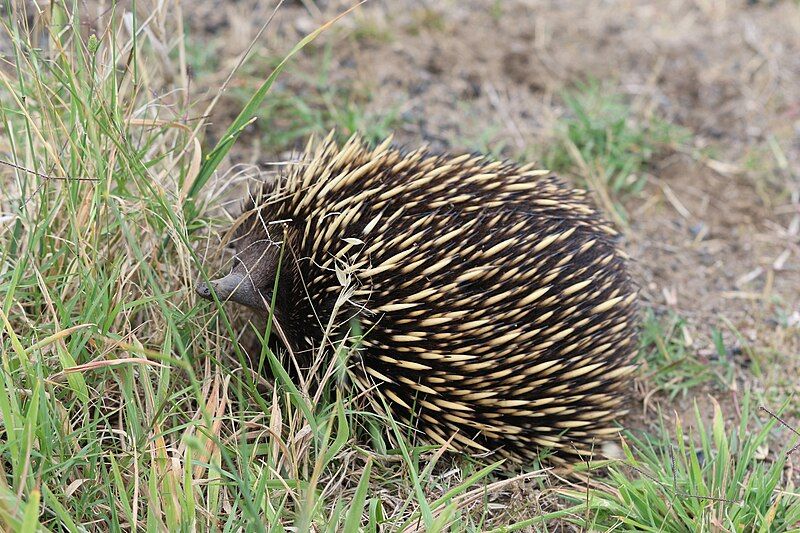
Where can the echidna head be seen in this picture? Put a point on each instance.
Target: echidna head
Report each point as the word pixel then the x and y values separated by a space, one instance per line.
pixel 252 277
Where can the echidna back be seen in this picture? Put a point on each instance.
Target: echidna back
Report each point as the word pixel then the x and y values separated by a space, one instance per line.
pixel 497 305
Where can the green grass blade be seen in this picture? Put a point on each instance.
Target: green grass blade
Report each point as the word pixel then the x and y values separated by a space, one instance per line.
pixel 248 112
pixel 60 511
pixel 353 519
pixel 342 432
pixel 30 519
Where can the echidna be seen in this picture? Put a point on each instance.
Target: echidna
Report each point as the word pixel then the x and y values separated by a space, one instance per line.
pixel 496 306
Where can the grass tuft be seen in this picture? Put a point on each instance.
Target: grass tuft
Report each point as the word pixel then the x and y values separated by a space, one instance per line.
pixel 605 145
pixel 672 365
pixel 709 478
pixel 315 104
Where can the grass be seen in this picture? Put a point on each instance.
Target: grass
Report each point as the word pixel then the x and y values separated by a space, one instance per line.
pixel 314 104
pixel 126 404
pixel 607 147
pixel 705 479
pixel 672 366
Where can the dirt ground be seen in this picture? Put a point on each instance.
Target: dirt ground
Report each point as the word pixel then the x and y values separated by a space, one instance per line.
pixel 715 237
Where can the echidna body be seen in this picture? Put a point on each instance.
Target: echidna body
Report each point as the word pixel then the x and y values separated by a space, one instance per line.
pixel 497 310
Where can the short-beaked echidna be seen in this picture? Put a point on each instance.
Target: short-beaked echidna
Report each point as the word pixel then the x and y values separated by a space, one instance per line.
pixel 495 304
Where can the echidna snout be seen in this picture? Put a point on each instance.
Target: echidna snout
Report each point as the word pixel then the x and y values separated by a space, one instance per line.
pixel 250 281
pixel 236 288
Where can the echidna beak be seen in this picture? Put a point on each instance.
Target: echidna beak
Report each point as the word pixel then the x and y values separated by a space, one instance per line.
pixel 234 287
pixel 203 291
